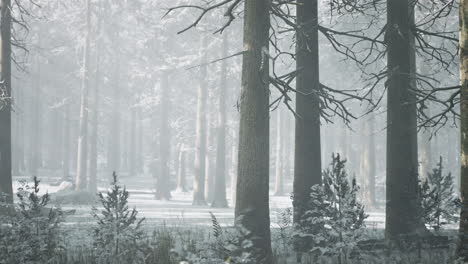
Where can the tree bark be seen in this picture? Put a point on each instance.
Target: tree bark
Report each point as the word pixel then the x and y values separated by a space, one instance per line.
pixel 219 196
pixel 163 191
pixel 402 155
pixel 463 231
pixel 200 141
pixel 307 165
pixel 5 103
pixel 82 156
pixel 252 207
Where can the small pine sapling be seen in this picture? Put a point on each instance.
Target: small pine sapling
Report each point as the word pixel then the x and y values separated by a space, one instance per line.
pixel 334 219
pixel 31 234
pixel 118 236
pixel 439 205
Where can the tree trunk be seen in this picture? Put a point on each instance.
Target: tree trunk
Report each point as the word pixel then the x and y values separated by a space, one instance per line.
pixel 219 196
pixel 82 156
pixel 279 188
pixel 95 118
pixel 307 165
pixel 402 155
pixel 368 162
pixel 425 154
pixel 163 191
pixel 113 155
pixel 252 207
pixel 181 180
pixel 140 162
pixel 208 159
pixel 5 103
pixel 35 158
pixel 66 143
pixel 132 145
pixel 463 232
pixel 200 141
pixel 233 172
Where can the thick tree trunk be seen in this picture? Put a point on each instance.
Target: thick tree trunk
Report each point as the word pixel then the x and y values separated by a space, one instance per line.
pixel 279 188
pixel 200 141
pixel 5 102
pixel 163 191
pixel 252 207
pixel 402 154
pixel 219 196
pixel 463 241
pixel 307 165
pixel 82 156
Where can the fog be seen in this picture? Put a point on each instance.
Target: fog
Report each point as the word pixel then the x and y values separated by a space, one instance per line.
pixel 233 132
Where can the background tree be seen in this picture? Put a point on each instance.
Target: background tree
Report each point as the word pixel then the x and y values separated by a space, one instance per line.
pixel 463 242
pixel 5 101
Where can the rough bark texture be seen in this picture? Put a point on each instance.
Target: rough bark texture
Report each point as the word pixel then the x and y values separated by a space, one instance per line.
pixel 163 191
pixel 307 165
pixel 5 103
pixel 252 208
pixel 219 196
pixel 200 141
pixel 82 156
pixel 402 154
pixel 463 242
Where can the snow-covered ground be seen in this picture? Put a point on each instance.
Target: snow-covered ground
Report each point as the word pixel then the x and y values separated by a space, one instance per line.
pixel 179 211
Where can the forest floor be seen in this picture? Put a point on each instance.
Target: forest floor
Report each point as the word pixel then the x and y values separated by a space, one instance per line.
pixel 179 211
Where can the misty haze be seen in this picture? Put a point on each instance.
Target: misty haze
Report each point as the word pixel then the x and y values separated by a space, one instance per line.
pixel 233 131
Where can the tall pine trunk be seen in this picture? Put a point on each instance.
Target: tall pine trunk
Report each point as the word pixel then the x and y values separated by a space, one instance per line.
pixel 181 172
pixel 252 210
pixel 163 191
pixel 82 156
pixel 5 103
pixel 367 166
pixel 307 165
pixel 219 196
pixel 279 188
pixel 200 141
pixel 402 155
pixel 463 241
pixel 95 118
